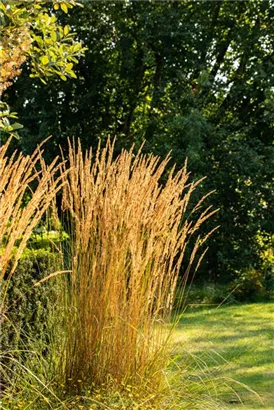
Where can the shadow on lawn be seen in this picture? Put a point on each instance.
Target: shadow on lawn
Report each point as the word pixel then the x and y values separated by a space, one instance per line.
pixel 236 342
pixel 233 338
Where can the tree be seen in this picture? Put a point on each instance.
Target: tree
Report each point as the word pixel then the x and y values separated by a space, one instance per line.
pixel 194 77
pixel 30 32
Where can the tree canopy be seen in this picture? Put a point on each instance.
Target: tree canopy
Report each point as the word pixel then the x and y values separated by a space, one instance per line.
pixel 193 77
pixel 30 33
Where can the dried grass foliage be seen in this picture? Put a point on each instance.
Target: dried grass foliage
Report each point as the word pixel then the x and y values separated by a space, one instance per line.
pixel 129 233
pixel 129 236
pixel 21 175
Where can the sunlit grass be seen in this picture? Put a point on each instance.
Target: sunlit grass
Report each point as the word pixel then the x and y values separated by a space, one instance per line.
pixel 238 343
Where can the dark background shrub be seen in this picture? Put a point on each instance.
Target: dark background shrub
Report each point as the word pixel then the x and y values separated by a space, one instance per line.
pixel 27 308
pixel 253 285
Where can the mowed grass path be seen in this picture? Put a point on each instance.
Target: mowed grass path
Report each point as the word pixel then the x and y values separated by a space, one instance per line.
pixel 235 342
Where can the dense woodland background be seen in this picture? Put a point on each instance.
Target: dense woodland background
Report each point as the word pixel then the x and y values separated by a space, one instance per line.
pixel 194 77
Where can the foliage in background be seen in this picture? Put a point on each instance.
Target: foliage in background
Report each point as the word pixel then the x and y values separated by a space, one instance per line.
pixel 194 77
pixel 27 306
pixel 27 325
pixel 30 31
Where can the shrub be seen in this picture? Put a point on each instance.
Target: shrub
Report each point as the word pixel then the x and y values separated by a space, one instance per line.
pixel 28 312
pixel 27 305
pixel 205 294
pixel 253 285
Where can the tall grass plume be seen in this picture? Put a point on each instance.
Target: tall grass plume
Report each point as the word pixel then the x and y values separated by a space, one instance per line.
pixel 128 241
pixel 27 188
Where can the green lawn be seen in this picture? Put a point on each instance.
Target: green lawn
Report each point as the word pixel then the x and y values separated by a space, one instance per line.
pixel 235 342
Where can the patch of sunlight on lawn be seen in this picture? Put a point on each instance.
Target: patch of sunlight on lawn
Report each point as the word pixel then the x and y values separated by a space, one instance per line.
pixel 238 343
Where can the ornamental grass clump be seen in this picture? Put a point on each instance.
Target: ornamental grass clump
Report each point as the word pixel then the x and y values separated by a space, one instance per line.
pixel 27 188
pixel 129 233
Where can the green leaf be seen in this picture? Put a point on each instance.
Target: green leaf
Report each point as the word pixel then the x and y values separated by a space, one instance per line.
pixel 17 126
pixel 63 77
pixel 66 30
pixel 53 36
pixel 77 47
pixel 44 60
pixel 64 7
pixel 73 75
